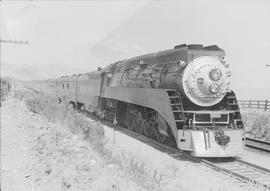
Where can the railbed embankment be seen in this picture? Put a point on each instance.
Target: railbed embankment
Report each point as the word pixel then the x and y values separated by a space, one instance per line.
pixel 92 132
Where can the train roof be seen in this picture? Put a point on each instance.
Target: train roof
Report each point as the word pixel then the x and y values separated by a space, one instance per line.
pixel 68 78
pixel 165 55
pixel 90 75
pixel 178 48
pixel 94 74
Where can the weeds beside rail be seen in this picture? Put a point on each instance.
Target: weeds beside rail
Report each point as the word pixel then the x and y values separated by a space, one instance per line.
pixel 54 111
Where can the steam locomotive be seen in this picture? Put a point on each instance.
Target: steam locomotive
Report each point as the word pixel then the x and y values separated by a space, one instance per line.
pixel 179 97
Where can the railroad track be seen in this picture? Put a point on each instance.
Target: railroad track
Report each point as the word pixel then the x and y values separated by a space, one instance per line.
pixel 240 172
pixel 246 172
pixel 258 144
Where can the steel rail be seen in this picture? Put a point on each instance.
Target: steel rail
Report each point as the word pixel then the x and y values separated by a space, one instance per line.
pixel 258 144
pixel 252 165
pixel 243 171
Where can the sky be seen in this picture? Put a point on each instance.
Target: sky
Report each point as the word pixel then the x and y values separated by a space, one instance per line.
pixel 71 37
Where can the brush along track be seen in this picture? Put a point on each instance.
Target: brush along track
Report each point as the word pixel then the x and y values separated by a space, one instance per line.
pixel 258 144
pixel 239 172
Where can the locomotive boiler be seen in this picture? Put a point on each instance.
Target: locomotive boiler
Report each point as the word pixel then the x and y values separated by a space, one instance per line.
pixel 180 97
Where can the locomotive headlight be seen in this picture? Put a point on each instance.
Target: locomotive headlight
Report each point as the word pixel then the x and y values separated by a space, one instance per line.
pixel 214 88
pixel 215 74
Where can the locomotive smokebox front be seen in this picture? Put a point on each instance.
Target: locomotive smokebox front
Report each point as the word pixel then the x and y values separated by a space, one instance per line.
pixel 205 80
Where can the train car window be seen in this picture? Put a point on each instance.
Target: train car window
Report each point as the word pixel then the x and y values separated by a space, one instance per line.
pixel 67 86
pixel 108 81
pixel 63 86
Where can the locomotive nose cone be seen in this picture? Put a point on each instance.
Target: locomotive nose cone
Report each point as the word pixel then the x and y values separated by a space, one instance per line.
pixel 205 80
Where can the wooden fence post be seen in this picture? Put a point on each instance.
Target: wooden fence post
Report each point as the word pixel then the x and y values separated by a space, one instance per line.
pixel 266 104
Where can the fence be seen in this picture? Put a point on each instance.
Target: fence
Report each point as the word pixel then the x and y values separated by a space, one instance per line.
pixel 255 104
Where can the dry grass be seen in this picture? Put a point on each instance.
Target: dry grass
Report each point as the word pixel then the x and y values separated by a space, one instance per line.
pixel 257 123
pixel 54 111
pixel 137 170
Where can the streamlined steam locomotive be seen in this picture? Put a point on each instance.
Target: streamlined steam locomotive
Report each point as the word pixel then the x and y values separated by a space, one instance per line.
pixel 179 97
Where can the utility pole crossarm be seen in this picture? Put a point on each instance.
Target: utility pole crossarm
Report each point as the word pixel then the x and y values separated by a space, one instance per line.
pixel 13 41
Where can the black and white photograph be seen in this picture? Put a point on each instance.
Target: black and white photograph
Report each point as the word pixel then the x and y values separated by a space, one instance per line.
pixel 135 95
